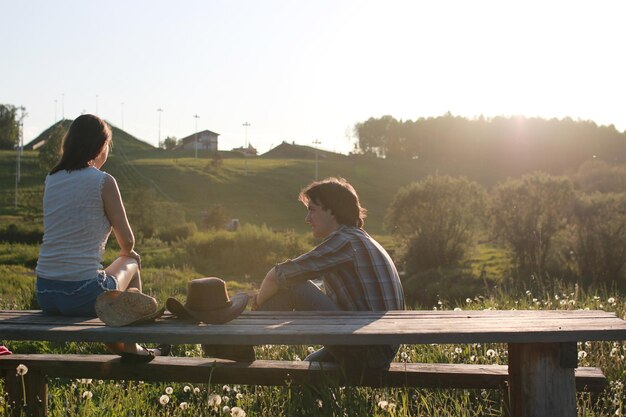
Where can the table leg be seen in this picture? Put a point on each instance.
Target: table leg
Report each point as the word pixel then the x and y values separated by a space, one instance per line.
pixel 538 383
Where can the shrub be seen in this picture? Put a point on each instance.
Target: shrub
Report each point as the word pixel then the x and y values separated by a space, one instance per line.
pixel 453 285
pixel 250 251
pixel 178 232
pixel 528 213
pixel 21 233
pixel 436 219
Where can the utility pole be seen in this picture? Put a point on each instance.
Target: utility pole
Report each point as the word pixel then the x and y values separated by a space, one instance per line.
pixel 195 141
pixel 20 145
pixel 315 143
pixel 245 148
pixel 62 106
pixel 160 110
pixel 55 110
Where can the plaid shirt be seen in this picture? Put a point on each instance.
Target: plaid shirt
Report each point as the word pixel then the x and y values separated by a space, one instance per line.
pixel 358 273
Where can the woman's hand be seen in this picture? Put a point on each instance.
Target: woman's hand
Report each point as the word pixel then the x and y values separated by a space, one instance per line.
pixel 134 255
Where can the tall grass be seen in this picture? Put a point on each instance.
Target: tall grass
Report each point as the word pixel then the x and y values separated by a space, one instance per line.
pixel 125 398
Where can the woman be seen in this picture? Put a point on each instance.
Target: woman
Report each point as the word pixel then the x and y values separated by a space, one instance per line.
pixel 81 205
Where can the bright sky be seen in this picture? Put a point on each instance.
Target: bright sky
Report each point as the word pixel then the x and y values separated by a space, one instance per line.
pixel 301 71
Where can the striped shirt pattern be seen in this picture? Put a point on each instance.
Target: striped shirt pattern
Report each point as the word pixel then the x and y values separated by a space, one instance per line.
pixel 358 273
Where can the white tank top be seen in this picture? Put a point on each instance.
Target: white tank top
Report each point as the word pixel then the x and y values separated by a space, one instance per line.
pixel 75 227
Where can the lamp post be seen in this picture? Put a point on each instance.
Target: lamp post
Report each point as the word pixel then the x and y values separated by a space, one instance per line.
pixel 160 110
pixel 195 141
pixel 245 148
pixel 315 143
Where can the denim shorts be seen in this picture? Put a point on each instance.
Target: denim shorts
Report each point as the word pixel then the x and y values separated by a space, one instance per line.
pixel 73 298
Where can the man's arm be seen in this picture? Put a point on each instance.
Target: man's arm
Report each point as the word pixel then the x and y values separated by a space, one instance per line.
pixel 268 288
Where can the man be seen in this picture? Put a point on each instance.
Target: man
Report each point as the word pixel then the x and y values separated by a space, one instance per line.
pixel 357 273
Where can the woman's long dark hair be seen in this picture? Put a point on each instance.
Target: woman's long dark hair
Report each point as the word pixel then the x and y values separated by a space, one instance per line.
pixel 84 141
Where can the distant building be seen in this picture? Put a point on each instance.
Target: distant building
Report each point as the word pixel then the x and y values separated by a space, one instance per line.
pixel 249 151
pixel 206 140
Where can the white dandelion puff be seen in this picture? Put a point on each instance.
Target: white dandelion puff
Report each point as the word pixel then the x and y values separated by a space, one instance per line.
pixel 239 396
pixel 164 399
pixel 169 390
pixel 226 409
pixel 491 353
pixel 21 369
pixel 184 405
pixel 214 400
pixel 383 404
pixel 310 349
pixel 582 354
pixel 196 390
pixel 237 412
pixel 88 395
pixel 187 388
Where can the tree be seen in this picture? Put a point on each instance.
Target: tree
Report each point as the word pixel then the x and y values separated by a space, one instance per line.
pixel 527 214
pixel 600 238
pixel 50 152
pixel 170 143
pixel 9 126
pixel 436 218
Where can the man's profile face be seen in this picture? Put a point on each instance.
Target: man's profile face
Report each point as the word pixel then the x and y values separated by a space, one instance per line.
pixel 322 221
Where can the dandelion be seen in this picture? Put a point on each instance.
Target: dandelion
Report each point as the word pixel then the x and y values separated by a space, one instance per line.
pixel 582 354
pixel 310 349
pixel 85 381
pixel 383 404
pixel 187 388
pixel 226 409
pixel 572 302
pixel 226 388
pixel 21 369
pixel 196 390
pixel 169 390
pixel 164 399
pixel 491 353
pixel 404 356
pixel 237 412
pixel 320 404
pixel 457 309
pixel 214 400
pixel 458 350
pixel 226 399
pixel 184 405
pixel 473 358
pixel 611 301
pixel 391 407
pixel 88 395
pixel 239 396
pixel 468 300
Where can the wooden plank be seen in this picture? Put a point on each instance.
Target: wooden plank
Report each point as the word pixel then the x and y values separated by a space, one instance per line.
pixel 201 370
pixel 538 385
pixel 337 328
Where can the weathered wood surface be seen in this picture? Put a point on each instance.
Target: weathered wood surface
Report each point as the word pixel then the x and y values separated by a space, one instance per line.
pixel 354 328
pixel 261 372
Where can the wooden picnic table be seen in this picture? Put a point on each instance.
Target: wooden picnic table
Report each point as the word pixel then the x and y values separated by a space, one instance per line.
pixel 541 343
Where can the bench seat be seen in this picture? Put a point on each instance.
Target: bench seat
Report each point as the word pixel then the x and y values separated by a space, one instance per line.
pixel 268 372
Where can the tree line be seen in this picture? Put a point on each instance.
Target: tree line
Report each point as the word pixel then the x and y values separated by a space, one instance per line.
pixel 514 145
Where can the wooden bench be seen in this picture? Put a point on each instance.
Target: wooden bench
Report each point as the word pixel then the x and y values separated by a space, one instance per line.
pixel 541 376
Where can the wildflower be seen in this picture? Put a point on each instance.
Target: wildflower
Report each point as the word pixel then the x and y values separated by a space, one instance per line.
pixel 491 353
pixel 169 390
pixel 88 395
pixel 468 300
pixel 164 399
pixel 563 302
pixel 184 405
pixel 611 300
pixel 534 300
pixel 196 390
pixel 226 409
pixel 457 309
pixel 320 404
pixel 582 354
pixel 21 369
pixel 473 358
pixel 225 399
pixel 458 350
pixel 214 400
pixel 226 388
pixel 383 404
pixel 85 381
pixel 310 349
pixel 187 388
pixel 237 412
pixel 404 356
pixel 239 396
pixel 391 407
pixel 572 302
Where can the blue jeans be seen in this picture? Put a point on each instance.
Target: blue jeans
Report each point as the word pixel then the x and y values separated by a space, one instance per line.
pixel 307 296
pixel 72 298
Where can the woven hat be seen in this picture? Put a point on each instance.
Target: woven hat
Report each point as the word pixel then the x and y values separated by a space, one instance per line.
pixel 122 308
pixel 208 302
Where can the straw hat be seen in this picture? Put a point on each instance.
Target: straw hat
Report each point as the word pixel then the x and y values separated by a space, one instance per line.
pixel 208 302
pixel 121 308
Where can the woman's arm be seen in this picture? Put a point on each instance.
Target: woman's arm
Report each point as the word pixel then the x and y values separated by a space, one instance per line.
pixel 115 212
